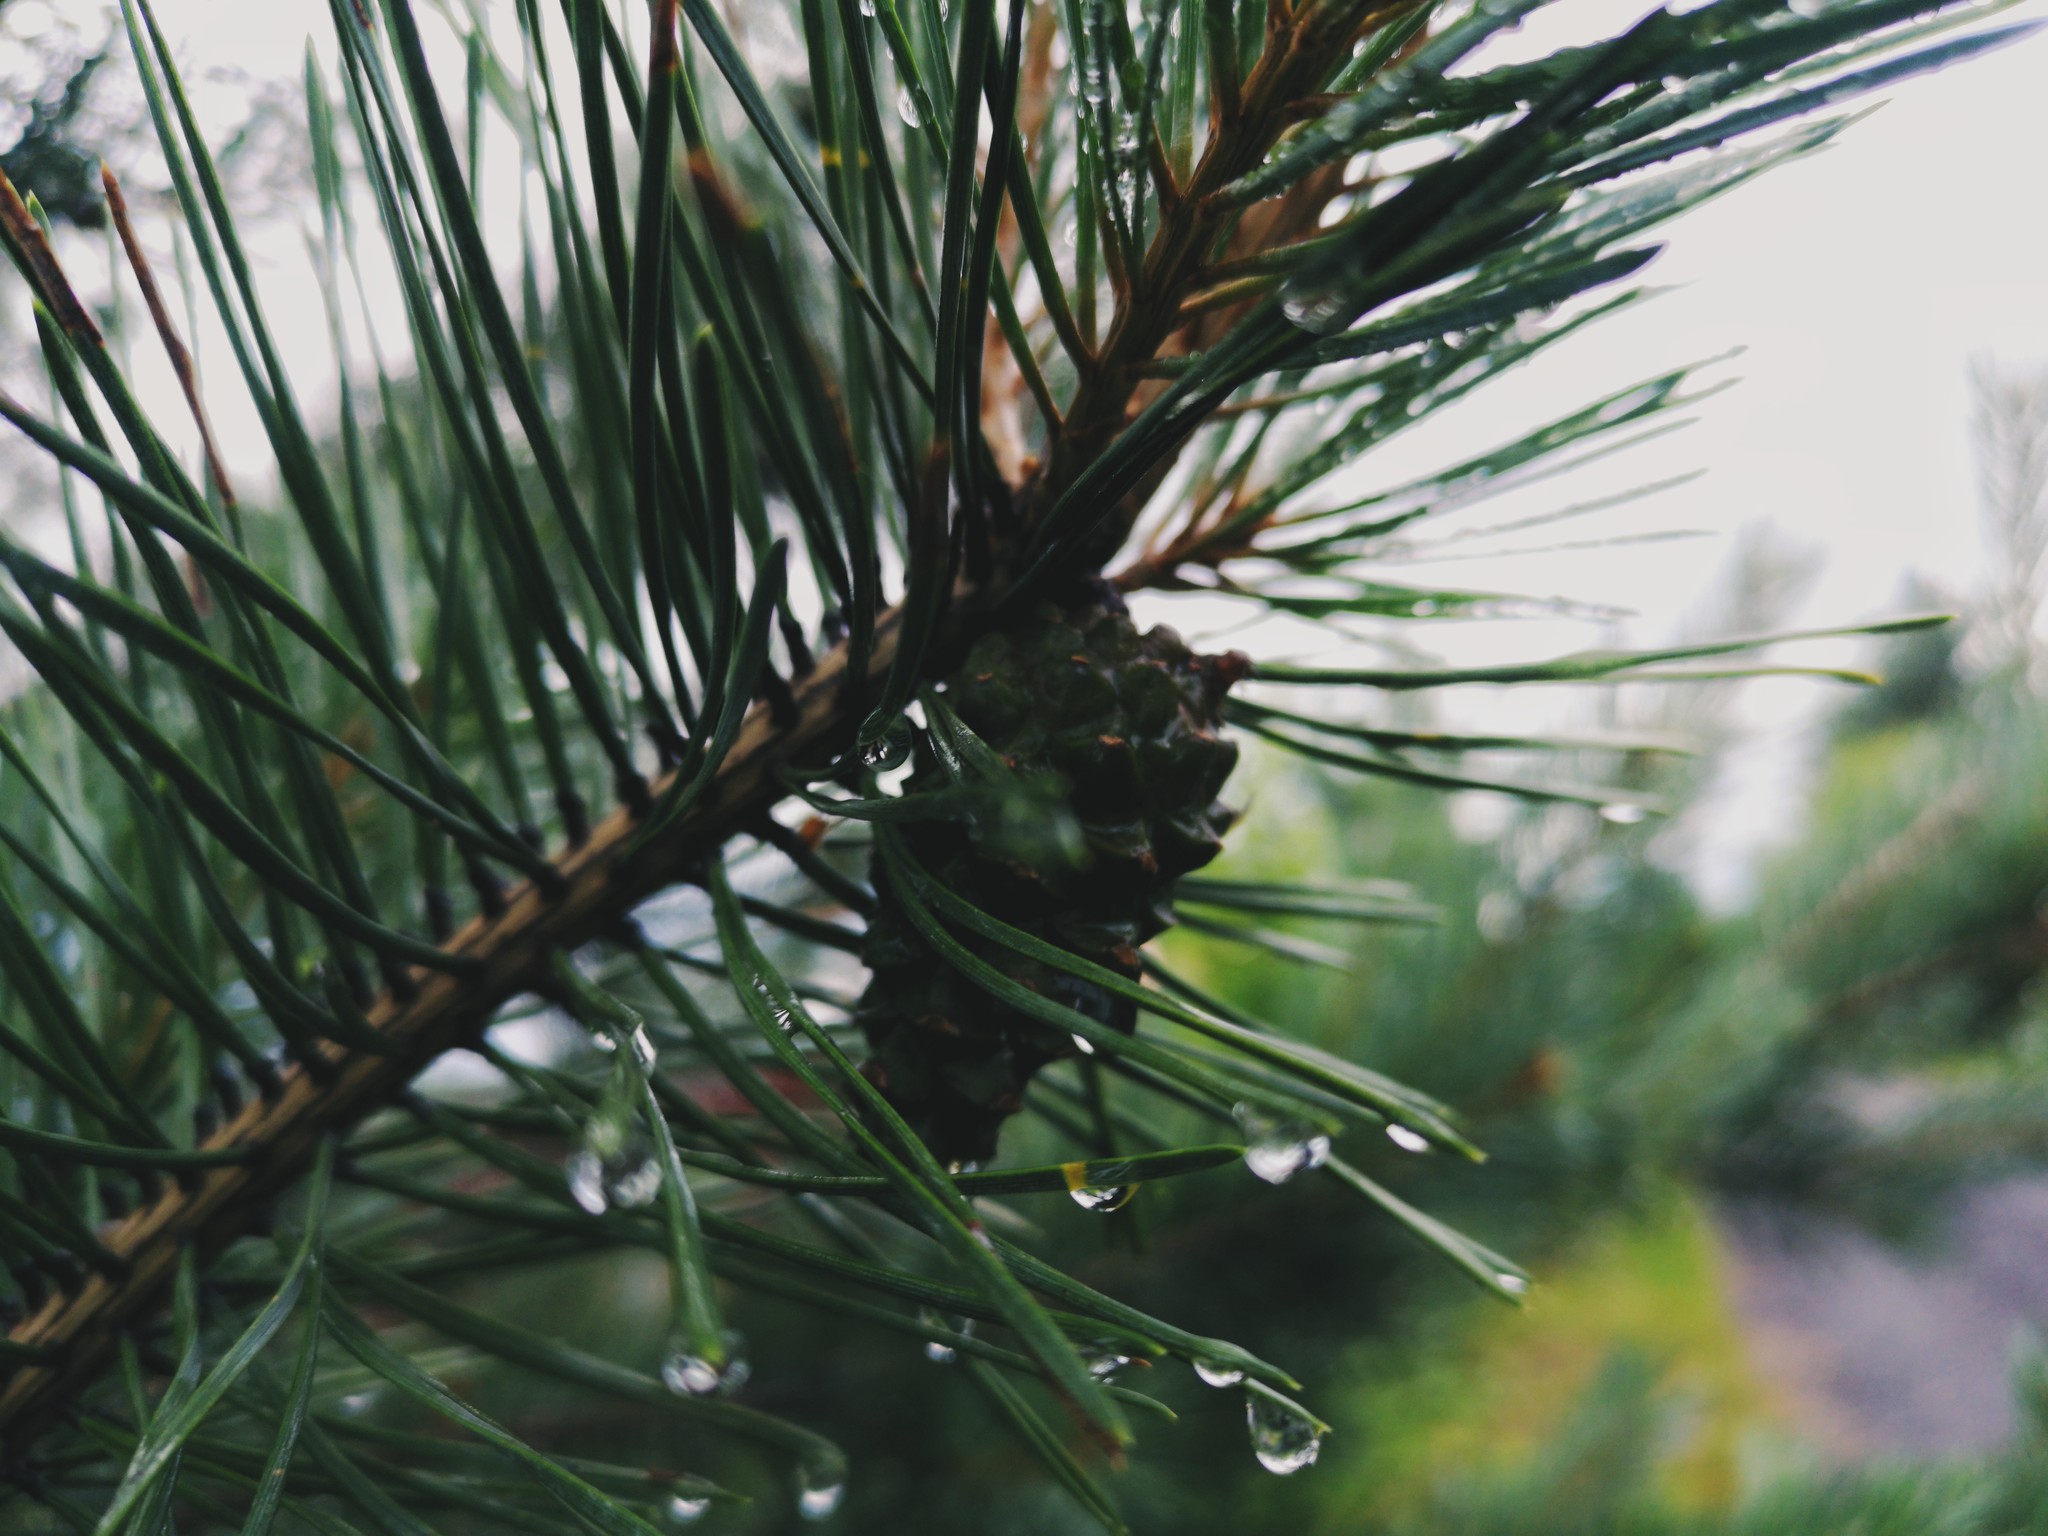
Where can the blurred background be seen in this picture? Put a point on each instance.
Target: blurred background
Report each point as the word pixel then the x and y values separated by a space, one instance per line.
pixel 1764 1080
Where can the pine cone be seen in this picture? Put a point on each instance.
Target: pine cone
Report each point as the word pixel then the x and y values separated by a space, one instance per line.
pixel 1114 736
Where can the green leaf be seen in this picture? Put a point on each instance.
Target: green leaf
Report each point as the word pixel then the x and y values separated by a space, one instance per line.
pixel 725 54
pixel 1581 666
pixel 1503 1277
pixel 1402 1106
pixel 564 1362
pixel 698 1320
pixel 1390 767
pixel 270 1490
pixel 1100 1173
pixel 733 695
pixel 591 1508
pixel 1039 1437
pixel 177 1420
pixel 907 1163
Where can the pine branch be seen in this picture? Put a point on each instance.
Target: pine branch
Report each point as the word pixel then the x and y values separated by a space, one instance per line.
pixel 720 430
pixel 601 880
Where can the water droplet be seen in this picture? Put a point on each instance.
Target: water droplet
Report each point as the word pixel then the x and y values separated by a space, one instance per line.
pixel 1283 1437
pixel 1622 814
pixel 1215 1373
pixel 1104 1362
pixel 357 1402
pixel 1095 1197
pixel 961 1165
pixel 1081 1045
pixel 1513 1284
pixel 586 1182
pixel 892 748
pixel 643 1045
pixel 1112 1198
pixel 823 1491
pixel 938 1351
pixel 906 108
pixel 682 1511
pixel 616 1164
pixel 1407 1140
pixel 737 1368
pixel 689 1374
pixel 635 1185
pixel 1276 1150
pixel 867 9
pixel 1093 89
pixel 1318 313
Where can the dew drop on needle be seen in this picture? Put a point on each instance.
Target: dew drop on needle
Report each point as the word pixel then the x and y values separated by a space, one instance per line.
pixel 685 1511
pixel 821 1494
pixel 1283 1437
pixel 1277 1149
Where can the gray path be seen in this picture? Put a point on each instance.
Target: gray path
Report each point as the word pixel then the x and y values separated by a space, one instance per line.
pixel 1887 1352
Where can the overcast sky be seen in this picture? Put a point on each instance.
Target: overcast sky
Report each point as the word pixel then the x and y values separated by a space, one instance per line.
pixel 1860 281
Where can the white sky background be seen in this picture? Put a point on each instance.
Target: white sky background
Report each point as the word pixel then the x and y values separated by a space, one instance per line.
pixel 1861 281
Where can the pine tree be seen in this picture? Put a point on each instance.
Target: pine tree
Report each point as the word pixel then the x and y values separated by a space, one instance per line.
pixel 708 629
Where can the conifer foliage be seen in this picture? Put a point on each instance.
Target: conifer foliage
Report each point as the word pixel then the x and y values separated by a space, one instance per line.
pixel 704 629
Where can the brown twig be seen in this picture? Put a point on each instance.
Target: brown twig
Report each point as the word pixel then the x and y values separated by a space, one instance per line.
pixel 31 251
pixel 167 332
pixel 181 365
pixel 1297 60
